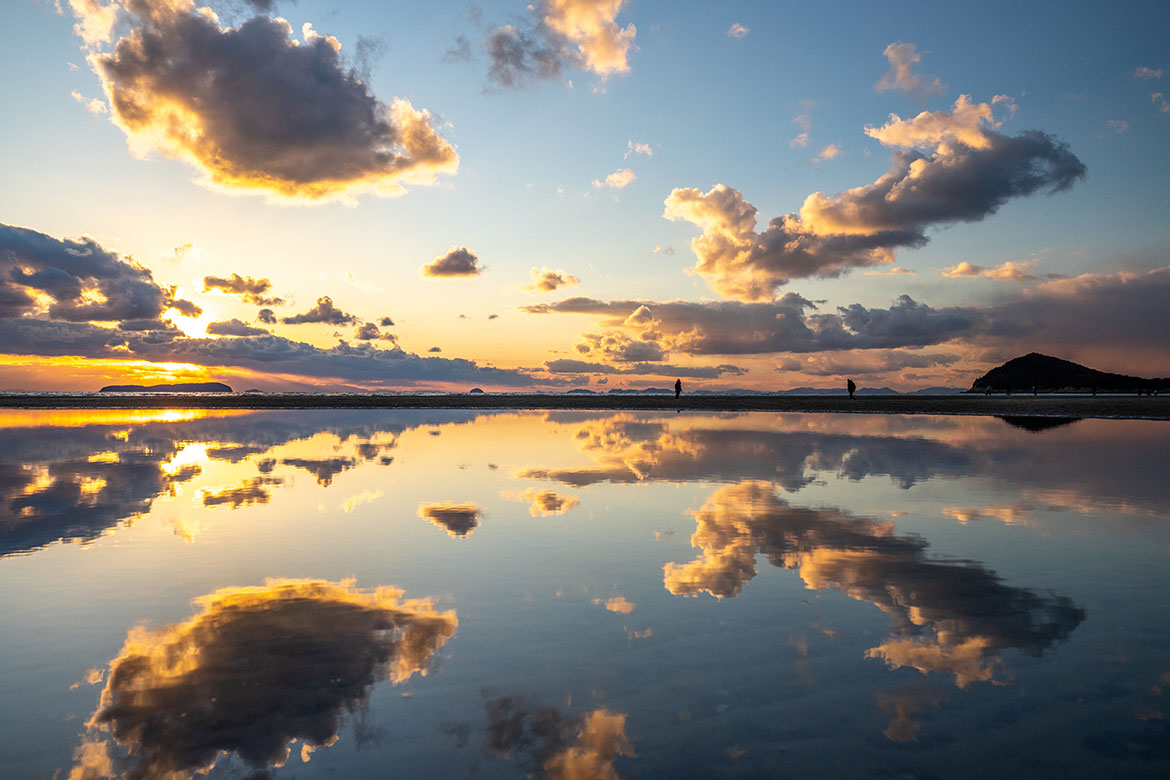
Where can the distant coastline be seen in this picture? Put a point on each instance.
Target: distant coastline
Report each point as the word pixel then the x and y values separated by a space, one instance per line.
pixel 1057 406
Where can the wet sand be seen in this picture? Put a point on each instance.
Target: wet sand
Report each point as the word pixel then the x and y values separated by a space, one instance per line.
pixel 1138 407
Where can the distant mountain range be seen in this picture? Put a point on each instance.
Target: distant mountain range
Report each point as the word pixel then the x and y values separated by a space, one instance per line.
pixel 180 387
pixel 1046 374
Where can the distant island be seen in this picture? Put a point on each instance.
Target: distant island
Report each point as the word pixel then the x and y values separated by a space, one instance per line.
pixel 179 387
pixel 1045 374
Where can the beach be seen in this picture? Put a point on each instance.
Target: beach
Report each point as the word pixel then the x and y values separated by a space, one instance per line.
pixel 1070 406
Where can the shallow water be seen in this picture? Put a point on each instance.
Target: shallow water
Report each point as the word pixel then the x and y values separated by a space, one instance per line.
pixel 577 594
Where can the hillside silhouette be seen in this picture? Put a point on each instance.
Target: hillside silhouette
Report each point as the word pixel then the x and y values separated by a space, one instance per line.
pixel 1047 374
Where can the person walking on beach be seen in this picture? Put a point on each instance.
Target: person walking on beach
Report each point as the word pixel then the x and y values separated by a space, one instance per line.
pixel 851 386
pixel 677 388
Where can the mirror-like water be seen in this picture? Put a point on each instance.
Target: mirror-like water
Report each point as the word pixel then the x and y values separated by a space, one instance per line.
pixel 581 595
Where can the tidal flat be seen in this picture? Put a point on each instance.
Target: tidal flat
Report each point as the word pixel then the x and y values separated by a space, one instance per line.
pixel 573 593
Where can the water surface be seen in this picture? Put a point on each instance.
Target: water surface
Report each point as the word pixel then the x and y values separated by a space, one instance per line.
pixel 453 593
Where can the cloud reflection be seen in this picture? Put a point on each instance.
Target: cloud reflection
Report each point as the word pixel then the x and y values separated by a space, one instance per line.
pixel 951 617
pixel 558 746
pixel 258 668
pixel 459 520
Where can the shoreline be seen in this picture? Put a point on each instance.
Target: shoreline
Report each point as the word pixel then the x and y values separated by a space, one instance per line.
pixel 1127 407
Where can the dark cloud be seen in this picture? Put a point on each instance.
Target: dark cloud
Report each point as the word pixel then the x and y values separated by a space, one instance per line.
pixel 234 327
pixel 255 670
pixel 459 520
pixel 569 366
pixel 80 280
pixel 266 316
pixel 251 290
pixel 435 349
pixel 324 312
pixel 362 363
pixel 519 57
pixel 386 322
pixel 951 617
pixel 254 109
pixel 547 280
pixel 140 326
pixel 966 173
pixel 784 325
pixel 369 331
pixel 460 261
pixel 581 34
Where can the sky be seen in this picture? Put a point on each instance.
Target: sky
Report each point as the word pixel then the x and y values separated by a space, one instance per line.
pixel 370 196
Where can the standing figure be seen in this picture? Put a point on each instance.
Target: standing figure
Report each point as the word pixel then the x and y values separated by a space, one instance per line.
pixel 852 386
pixel 677 388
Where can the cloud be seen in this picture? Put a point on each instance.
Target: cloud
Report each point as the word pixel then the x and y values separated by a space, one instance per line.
pixel 1118 126
pixel 76 280
pixel 737 30
pixel 1158 100
pixel 569 366
pixel 458 262
pixel 829 152
pixel 894 271
pixel 369 331
pixel 266 316
pixel 250 107
pixel 663 250
pixel 251 290
pixel 323 469
pixel 582 34
pixel 92 105
pixel 458 520
pixel 386 322
pixel 901 76
pixel 633 147
pixel 324 312
pixel 252 491
pixel 966 173
pixel 790 324
pixel 805 124
pixel 547 280
pixel 554 745
pixel 234 327
pixel 618 180
pixel 1146 74
pixel 1009 271
pixel 618 604
pixel 546 503
pixel 873 362
pixel 950 617
pixel 361 365
pixel 257 669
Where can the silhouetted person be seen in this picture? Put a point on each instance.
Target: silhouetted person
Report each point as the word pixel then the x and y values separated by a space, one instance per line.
pixel 987 390
pixel 851 386
pixel 677 388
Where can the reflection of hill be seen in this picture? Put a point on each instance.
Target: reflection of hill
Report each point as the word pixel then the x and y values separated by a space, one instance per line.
pixel 1038 424
pixel 73 482
pixel 949 616
pixel 256 669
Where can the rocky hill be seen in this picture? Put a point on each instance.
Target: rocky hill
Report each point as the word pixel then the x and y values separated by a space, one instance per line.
pixel 1046 374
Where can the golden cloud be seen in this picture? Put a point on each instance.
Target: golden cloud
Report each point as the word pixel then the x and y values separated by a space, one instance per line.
pixel 252 108
pixel 458 520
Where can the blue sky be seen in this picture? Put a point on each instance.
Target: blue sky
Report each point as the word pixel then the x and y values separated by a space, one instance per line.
pixel 712 107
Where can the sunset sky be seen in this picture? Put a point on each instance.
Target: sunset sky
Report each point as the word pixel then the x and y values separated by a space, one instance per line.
pixel 579 193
